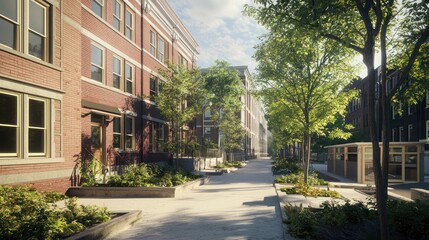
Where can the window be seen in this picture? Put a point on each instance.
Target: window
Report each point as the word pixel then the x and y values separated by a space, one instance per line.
pixel 129 24
pixel 161 49
pixel 182 61
pixel 393 112
pixel 207 132
pixel 129 78
pixel 31 38
pixel 97 68
pixel 409 109
pixel 393 134
pixel 117 133
pixel 9 124
pixel 410 132
pixel 23 135
pixel 401 133
pixel 117 73
pixel 157 136
pixel 152 43
pixel 427 98
pixel 157 46
pixel 153 87
pixel 117 15
pixel 36 127
pixel 97 7
pixel 207 114
pixel 129 130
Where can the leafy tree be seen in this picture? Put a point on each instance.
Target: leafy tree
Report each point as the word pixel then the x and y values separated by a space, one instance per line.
pixel 233 132
pixel 297 77
pixel 360 26
pixel 180 100
pixel 224 88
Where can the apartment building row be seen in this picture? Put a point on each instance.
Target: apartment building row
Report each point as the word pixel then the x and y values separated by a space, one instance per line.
pixel 252 118
pixel 77 80
pixel 409 134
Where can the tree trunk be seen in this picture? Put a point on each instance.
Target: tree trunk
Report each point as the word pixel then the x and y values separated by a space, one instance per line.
pixel 306 154
pixel 373 129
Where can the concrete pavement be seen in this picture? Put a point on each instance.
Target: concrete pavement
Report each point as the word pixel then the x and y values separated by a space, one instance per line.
pixel 241 205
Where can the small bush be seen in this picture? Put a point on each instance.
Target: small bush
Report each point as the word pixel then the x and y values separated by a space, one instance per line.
pixel 305 189
pixel 410 218
pixel 289 165
pixel 302 221
pixel 28 214
pixel 148 175
pixel 293 178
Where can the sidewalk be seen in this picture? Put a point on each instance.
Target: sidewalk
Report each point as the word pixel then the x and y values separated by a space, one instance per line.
pixel 241 205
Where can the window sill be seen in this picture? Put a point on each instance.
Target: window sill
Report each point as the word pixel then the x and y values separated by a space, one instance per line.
pixel 20 161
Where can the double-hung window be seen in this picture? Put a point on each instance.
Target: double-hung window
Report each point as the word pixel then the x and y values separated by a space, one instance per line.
pixel 129 130
pixel 157 46
pixel 129 78
pixel 97 65
pixel 410 132
pixel 97 7
pixel 117 133
pixel 153 87
pixel 129 24
pixel 24 27
pixel 117 15
pixel 24 125
pixel 117 72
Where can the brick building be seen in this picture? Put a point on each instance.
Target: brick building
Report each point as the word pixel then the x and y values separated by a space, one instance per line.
pixel 76 80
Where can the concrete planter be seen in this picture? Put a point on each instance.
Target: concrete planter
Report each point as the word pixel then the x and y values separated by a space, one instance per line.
pixel 134 192
pixel 103 230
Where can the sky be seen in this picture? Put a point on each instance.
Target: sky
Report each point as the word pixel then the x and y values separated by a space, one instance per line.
pixel 221 30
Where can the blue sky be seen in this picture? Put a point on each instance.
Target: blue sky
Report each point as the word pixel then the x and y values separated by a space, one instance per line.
pixel 220 29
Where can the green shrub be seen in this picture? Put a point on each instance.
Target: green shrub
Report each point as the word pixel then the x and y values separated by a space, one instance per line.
pixel 410 218
pixel 28 214
pixel 148 175
pixel 286 164
pixel 304 189
pixel 293 178
pixel 302 221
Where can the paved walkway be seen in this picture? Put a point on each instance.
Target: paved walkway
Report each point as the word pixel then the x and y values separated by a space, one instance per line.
pixel 240 205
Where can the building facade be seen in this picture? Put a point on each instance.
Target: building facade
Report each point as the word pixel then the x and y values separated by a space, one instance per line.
pixel 252 118
pixel 408 123
pixel 77 79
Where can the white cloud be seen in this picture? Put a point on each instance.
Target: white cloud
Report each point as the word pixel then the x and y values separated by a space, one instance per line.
pixel 220 29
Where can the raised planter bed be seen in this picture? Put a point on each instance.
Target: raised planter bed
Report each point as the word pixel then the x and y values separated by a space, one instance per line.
pixel 134 192
pixel 101 231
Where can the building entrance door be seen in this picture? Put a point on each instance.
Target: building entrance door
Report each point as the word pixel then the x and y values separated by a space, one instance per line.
pixel 97 137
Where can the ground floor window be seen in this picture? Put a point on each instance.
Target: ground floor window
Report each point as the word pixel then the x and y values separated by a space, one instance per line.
pixel 158 135
pixel 24 125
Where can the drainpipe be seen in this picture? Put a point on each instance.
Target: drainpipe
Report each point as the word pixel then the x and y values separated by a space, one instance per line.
pixel 142 80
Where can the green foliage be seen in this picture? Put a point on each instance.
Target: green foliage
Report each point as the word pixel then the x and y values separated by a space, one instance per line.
pixel 180 100
pixel 410 218
pixel 89 169
pixel 29 214
pixel 229 164
pixel 148 175
pixel 293 178
pixel 302 221
pixel 305 189
pixel 289 165
pixel 232 131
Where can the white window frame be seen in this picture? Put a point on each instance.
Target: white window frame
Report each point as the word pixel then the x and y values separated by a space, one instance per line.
pixel 101 4
pixel 126 135
pixel 115 73
pixel 393 112
pixel 23 127
pixel 131 80
pixel 160 53
pixel 127 26
pixel 18 125
pixel 22 27
pixel 152 43
pixel 45 128
pixel 115 17
pixel 121 139
pixel 103 53
pixel 393 134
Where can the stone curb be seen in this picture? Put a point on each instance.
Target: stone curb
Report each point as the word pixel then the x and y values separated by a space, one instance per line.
pixel 135 192
pixel 286 235
pixel 115 225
